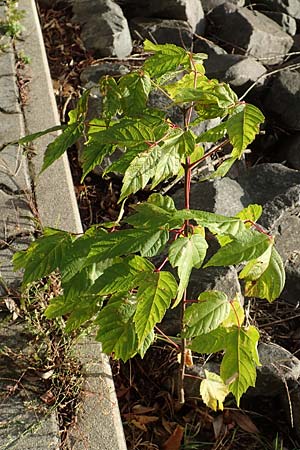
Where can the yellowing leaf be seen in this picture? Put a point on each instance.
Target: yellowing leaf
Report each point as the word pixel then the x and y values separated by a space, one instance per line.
pixel 213 390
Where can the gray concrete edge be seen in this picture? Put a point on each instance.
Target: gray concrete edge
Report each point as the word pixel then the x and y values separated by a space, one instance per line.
pixel 57 207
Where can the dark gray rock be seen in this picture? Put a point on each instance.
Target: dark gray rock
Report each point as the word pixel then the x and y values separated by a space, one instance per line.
pixel 283 99
pixel 163 31
pixel 208 5
pixel 188 10
pixel 278 366
pixel 262 183
pixel 286 22
pixel 221 196
pixel 91 75
pixel 292 151
pixel 237 70
pixel 289 7
pixel 104 27
pixel 255 33
pixel 202 45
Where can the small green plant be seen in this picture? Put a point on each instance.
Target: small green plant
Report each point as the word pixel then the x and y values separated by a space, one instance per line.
pixel 11 25
pixel 108 275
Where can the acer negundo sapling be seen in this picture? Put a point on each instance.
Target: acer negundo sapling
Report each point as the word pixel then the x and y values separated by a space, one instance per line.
pixel 107 274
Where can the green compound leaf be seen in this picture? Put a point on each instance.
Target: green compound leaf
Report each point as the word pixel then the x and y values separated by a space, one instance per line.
pixel 211 342
pixel 187 253
pixel 44 255
pixel 247 245
pixel 58 307
pixel 121 277
pixel 256 267
pixel 166 58
pixel 116 328
pixel 128 133
pixel 162 201
pixel 32 137
pixel 111 97
pixel 243 126
pixel 216 223
pixel 238 367
pixel 213 134
pixel 93 154
pixel 154 297
pixel 236 315
pixel 146 344
pixel 85 308
pixel 213 391
pixel 271 283
pixel 141 169
pixel 207 315
pixel 251 212
pixel 134 88
pixel 65 140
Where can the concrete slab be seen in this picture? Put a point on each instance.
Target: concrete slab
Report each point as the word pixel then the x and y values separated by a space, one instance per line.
pixel 54 190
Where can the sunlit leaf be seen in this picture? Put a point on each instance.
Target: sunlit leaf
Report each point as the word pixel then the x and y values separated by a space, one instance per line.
pixel 213 390
pixel 238 367
pixel 206 315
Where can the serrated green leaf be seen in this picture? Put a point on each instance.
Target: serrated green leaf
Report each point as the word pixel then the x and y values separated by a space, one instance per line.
pixel 166 59
pixel 84 309
pixel 212 94
pixel 116 328
pixel 213 391
pixel 58 307
pixel 121 164
pixel 206 315
pixel 111 97
pixel 236 316
pixel 187 81
pixel 213 134
pixel 271 283
pixel 154 297
pixel 238 367
pixel 93 155
pixel 247 245
pixel 186 253
pixel 121 277
pixel 33 136
pixel 251 212
pixel 147 241
pixel 65 140
pixel 128 133
pixel 243 126
pixel 216 223
pixel 146 344
pixel 211 342
pixel 162 201
pixel 256 267
pixel 43 255
pixel 135 88
pixel 78 114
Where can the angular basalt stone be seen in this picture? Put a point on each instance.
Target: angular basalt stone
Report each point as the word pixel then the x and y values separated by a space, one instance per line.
pixel 254 33
pixel 208 5
pixel 190 11
pixel 206 46
pixel 283 99
pixel 163 31
pixel 91 75
pixel 221 196
pixel 286 22
pixel 289 7
pixel 264 182
pixel 237 70
pixel 105 30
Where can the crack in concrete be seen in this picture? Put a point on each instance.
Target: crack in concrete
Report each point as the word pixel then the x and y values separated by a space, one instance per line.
pixel 5 111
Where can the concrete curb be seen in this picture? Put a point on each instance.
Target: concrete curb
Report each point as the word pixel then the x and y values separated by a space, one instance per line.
pixel 99 424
